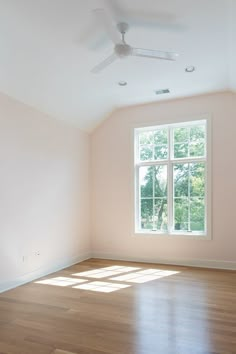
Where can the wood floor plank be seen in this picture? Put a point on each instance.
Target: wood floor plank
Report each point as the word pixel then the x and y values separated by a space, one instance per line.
pixel 185 311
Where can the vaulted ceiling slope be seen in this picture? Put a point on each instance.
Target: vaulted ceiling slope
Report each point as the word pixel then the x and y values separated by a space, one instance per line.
pixel 48 48
pixel 232 46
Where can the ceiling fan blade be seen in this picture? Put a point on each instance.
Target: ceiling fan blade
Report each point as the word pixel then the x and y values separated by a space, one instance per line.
pixel 106 20
pixel 98 68
pixel 154 54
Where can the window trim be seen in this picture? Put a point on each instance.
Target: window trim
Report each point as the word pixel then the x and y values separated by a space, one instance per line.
pixel 136 232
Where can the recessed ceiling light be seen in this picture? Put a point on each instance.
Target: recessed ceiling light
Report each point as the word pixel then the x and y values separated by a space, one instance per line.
pixel 190 69
pixel 161 92
pixel 122 83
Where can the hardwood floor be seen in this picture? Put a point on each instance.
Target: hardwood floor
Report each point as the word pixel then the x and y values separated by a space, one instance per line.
pixel 164 310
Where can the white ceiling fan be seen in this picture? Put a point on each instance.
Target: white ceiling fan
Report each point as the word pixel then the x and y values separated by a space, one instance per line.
pixel 121 48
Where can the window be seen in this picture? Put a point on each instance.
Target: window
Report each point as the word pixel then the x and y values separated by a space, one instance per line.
pixel 171 175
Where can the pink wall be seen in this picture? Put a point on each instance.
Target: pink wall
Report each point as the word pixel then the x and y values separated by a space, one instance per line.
pixel 45 189
pixel 44 193
pixel 111 150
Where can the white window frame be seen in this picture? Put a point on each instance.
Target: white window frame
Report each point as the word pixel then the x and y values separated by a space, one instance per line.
pixel 206 235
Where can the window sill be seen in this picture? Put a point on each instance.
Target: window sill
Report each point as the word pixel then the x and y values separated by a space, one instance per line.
pixel 173 235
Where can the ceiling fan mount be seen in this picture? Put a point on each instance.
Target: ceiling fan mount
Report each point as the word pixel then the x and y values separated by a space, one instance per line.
pixel 122 27
pixel 121 48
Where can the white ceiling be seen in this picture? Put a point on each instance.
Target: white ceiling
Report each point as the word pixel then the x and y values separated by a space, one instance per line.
pixel 48 47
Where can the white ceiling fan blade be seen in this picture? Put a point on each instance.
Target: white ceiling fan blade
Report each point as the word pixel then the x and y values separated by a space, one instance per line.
pixel 106 20
pixel 154 54
pixel 104 64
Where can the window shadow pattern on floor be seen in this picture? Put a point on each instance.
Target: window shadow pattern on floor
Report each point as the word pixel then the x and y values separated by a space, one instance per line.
pixel 114 278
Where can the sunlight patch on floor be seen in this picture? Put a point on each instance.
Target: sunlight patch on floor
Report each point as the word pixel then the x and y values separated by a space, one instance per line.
pixel 118 274
pixel 101 286
pixel 158 271
pixel 106 272
pixel 144 276
pixel 61 281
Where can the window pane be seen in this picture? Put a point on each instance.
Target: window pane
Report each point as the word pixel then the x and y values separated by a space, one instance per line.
pixel 181 135
pixel 197 214
pixel 181 209
pixel 160 137
pixel 197 140
pixel 181 180
pixel 160 181
pixel 197 133
pixel 153 177
pixel 189 196
pixel 146 152
pixel 180 150
pixel 189 141
pixel 160 152
pixel 146 214
pixel 153 145
pixel 197 149
pixel 160 215
pixel 197 179
pixel 146 138
pixel 146 182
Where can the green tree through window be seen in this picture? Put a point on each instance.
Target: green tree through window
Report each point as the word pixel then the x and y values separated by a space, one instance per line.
pixel 171 170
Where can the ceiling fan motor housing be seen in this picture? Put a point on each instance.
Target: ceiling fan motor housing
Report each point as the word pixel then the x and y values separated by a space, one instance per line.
pixel 123 50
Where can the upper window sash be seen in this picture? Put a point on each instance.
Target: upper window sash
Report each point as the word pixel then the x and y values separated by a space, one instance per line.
pixel 171 142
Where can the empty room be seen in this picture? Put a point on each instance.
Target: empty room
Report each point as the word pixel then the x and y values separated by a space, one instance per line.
pixel 118 177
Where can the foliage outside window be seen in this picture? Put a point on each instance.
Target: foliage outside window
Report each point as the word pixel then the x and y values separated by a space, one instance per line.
pixel 171 183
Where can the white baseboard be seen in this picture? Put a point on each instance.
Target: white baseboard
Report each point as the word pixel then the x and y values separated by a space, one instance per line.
pixel 43 271
pixel 200 263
